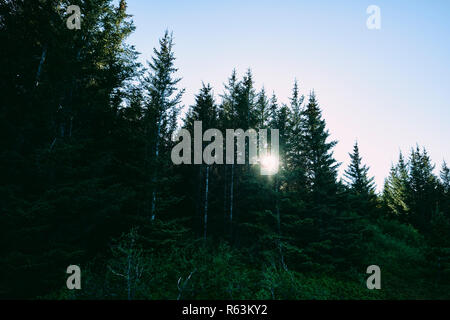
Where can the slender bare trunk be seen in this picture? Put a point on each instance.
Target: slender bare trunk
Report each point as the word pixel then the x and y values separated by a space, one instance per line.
pixel 71 126
pixel 129 277
pixel 41 63
pixel 277 209
pixel 153 204
pixel 205 220
pixel 181 288
pixel 225 185
pixel 129 260
pixel 231 199
pixel 158 132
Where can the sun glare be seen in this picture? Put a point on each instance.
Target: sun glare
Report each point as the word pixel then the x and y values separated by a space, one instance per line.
pixel 269 164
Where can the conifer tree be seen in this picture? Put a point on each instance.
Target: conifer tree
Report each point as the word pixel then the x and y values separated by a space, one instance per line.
pixel 204 110
pixel 262 109
pixel 321 167
pixel 61 91
pixel 295 157
pixel 246 103
pixel 423 189
pixel 362 196
pixel 229 120
pixel 445 177
pixel 396 190
pixel 162 108
pixel 357 174
pixel 445 194
pixel 440 230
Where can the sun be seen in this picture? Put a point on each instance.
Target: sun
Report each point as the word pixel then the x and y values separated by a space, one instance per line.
pixel 269 165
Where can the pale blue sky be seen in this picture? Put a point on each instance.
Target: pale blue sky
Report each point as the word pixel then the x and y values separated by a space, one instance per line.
pixel 388 88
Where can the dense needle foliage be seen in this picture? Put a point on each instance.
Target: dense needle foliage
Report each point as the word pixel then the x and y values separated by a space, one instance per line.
pixel 87 179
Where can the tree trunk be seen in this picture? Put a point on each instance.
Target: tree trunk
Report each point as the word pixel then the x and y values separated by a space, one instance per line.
pixel 225 199
pixel 231 200
pixel 158 132
pixel 41 63
pixel 205 221
pixel 277 210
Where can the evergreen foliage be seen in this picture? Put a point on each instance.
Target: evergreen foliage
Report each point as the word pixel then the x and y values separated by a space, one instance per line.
pixel 87 179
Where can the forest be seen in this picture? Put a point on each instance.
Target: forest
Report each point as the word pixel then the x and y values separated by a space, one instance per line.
pixel 86 135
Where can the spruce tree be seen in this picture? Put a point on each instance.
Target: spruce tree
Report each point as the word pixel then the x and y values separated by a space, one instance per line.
pixel 362 198
pixel 320 166
pixel 262 109
pixel 396 194
pixel 445 177
pixel 204 110
pixel 334 231
pixel 445 194
pixel 229 120
pixel 423 189
pixel 61 91
pixel 246 103
pixel 295 157
pixel 162 108
pixel 357 175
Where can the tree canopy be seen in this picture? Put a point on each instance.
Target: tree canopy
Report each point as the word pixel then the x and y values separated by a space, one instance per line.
pixel 87 179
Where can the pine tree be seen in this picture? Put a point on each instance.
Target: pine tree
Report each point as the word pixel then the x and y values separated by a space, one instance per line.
pixel 262 110
pixel 357 175
pixel 423 189
pixel 296 102
pixel 229 120
pixel 445 177
pixel 362 198
pixel 321 167
pixel 324 240
pixel 246 102
pixel 228 107
pixel 295 157
pixel 162 108
pixel 396 190
pixel 204 110
pixel 279 117
pixel 440 230
pixel 295 231
pixel 61 91
pixel 445 194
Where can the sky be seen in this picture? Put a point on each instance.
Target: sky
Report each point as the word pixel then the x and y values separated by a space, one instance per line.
pixel 389 89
